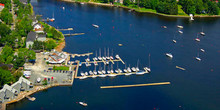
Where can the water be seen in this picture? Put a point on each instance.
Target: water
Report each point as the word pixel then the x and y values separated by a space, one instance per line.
pixel 197 88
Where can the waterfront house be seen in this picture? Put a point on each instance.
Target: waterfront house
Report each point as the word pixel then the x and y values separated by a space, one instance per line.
pixel 2 6
pixel 7 93
pixel 57 57
pixel 38 28
pixel 119 1
pixel 31 37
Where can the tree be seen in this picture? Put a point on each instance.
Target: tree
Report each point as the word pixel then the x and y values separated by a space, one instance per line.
pixel 199 6
pixel 6 55
pixel 213 8
pixel 154 4
pixel 188 6
pixel 4 31
pixel 6 16
pixel 19 62
pixel 6 77
pixel 126 2
pixel 51 44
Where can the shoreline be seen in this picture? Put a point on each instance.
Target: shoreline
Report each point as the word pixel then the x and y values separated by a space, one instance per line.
pixel 159 14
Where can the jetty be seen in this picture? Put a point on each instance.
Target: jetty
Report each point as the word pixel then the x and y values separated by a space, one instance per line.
pixel 75 34
pixel 135 85
pixel 30 98
pixel 68 29
pixel 180 68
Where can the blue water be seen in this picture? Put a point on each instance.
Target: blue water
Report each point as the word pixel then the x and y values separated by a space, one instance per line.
pixel 197 88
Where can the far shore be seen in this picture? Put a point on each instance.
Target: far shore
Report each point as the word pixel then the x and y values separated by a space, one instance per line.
pixel 160 14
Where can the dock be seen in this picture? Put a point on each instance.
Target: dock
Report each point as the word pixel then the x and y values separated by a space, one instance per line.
pixel 135 85
pixel 101 61
pixel 121 60
pixel 180 68
pixel 68 29
pixel 75 34
pixel 117 74
pixel 85 54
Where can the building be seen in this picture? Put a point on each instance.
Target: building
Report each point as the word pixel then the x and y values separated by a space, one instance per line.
pixel 119 1
pixel 57 57
pixel 23 1
pixel 8 93
pixel 38 28
pixel 41 37
pixel 2 6
pixel 31 37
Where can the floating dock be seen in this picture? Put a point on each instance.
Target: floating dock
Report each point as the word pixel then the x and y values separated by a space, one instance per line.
pixel 75 34
pixel 135 85
pixel 68 29
pixel 180 68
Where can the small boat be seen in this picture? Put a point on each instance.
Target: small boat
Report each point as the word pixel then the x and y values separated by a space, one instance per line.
pixel 111 58
pixel 148 69
pixel 116 71
pixel 82 74
pixel 94 76
pixel 202 33
pixel 197 58
pixel 95 63
pixel 95 58
pixel 202 50
pixel 108 71
pixel 88 59
pixel 129 69
pixel 100 58
pixel 140 73
pixel 137 69
pixel 127 74
pixel 95 73
pixel 103 71
pixel 169 55
pixel 180 32
pixel 117 56
pixel 82 3
pixel 103 58
pixel 83 104
pixel 125 70
pixel 90 72
pixel 133 69
pixel 102 75
pixel 84 77
pixel 179 26
pixel 80 64
pixel 112 75
pixel 96 26
pixel 100 72
pixel 174 41
pixel 197 39
pixel 107 62
pixel 86 74
pixel 164 27
pixel 120 71
pixel 63 8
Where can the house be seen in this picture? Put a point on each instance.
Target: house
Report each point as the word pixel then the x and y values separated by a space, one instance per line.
pixel 119 1
pixel 41 37
pixel 2 6
pixel 23 1
pixel 38 28
pixel 57 58
pixel 31 37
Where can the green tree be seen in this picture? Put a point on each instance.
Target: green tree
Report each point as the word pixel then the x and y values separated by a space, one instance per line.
pixel 126 2
pixel 6 77
pixel 213 8
pixel 6 16
pixel 6 55
pixel 51 44
pixel 188 6
pixel 199 6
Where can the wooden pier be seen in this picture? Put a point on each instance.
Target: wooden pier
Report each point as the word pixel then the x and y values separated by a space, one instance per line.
pixel 75 34
pixel 102 61
pixel 68 29
pixel 180 68
pixel 135 85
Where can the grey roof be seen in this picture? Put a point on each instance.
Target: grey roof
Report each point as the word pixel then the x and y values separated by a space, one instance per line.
pixel 31 36
pixel 41 35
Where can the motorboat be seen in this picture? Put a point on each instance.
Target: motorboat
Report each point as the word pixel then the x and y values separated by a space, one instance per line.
pixel 148 69
pixel 180 32
pixel 125 70
pixel 111 57
pixel 102 75
pixel 174 41
pixel 197 58
pixel 197 39
pixel 140 73
pixel 129 69
pixel 104 58
pixel 112 75
pixel 86 74
pixel 100 58
pixel 202 50
pixel 117 56
pixel 90 72
pixel 179 26
pixel 133 69
pixel 38 80
pixel 169 55
pixel 137 69
pixel 120 71
pixel 96 26
pixel 83 104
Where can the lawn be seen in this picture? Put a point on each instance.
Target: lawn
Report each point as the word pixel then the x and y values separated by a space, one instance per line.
pixel 65 68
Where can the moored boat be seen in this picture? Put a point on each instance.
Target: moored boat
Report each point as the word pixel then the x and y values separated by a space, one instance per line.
pixel 83 104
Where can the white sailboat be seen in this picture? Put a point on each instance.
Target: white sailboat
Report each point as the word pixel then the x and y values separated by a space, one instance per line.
pixel 52 19
pixel 117 57
pixel 202 50
pixel 197 58
pixel 125 70
pixel 174 41
pixel 108 58
pixel 100 58
pixel 197 39
pixel 202 33
pixel 179 26
pixel 137 69
pixel 181 32
pixel 146 68
pixel 140 73
pixel 95 25
pixel 169 55
pixel 96 56
pixel 111 57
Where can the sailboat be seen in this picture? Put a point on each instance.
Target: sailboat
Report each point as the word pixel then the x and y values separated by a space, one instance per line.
pixel 109 71
pixel 197 58
pixel 169 55
pixel 108 58
pixel 146 68
pixel 197 38
pixel 179 26
pixel 112 71
pixel 52 19
pixel 96 56
pixel 104 57
pixel 103 73
pixel 137 69
pixel 111 74
pixel 94 73
pixel 111 57
pixel 125 70
pixel 174 41
pixel 202 50
pixel 96 26
pixel 202 33
pixel 117 68
pixel 100 58
pixel 88 60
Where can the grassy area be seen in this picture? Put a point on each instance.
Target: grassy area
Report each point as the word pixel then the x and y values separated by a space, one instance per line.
pixel 180 11
pixel 65 68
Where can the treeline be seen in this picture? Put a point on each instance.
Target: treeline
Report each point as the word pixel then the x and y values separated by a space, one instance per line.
pixel 171 6
pixel 200 6
pixel 6 16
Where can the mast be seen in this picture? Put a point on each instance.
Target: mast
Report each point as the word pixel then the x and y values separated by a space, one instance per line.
pixel 149 60
pixel 108 52
pixel 99 52
pixel 95 53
